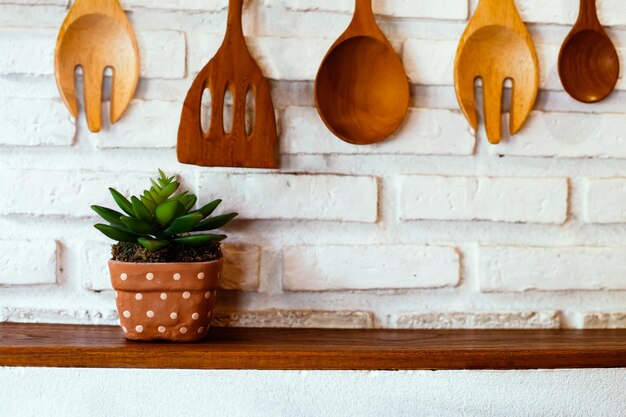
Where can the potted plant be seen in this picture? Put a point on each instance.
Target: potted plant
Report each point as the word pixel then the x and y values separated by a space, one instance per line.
pixel 165 267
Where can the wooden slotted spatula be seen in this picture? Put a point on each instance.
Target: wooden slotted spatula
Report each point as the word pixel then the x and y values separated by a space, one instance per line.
pixel 234 69
pixel 96 34
pixel 496 46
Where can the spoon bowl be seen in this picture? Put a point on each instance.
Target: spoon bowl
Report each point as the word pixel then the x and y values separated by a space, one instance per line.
pixel 362 104
pixel 588 61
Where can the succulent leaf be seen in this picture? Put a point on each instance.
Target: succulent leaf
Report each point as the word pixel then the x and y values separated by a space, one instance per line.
pixel 183 224
pixel 156 196
pixel 149 203
pixel 117 233
pixel 169 189
pixel 199 240
pixel 167 211
pixel 140 210
pixel 214 222
pixel 122 202
pixel 190 202
pixel 153 244
pixel 208 209
pixel 109 215
pixel 138 226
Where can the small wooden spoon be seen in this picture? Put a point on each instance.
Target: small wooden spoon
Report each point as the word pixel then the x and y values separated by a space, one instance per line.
pixel 361 89
pixel 588 61
pixel 96 34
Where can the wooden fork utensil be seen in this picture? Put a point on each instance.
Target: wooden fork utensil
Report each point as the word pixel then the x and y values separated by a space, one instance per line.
pixel 96 34
pixel 496 46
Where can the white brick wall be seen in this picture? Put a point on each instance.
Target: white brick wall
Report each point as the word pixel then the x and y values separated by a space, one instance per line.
pixel 431 228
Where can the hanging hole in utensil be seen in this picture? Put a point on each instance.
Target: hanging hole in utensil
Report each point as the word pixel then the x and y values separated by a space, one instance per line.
pixel 227 121
pixel 205 110
pixel 250 112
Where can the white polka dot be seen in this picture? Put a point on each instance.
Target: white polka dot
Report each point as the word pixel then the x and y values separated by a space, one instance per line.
pixel 176 276
pixel 163 296
pixel 201 275
pixel 161 329
pixel 123 277
pixel 173 316
pixel 201 330
pixel 138 296
pixel 207 294
pixel 186 295
pixel 149 276
pixel 126 313
pixel 195 316
pixel 150 313
pixel 124 329
pixel 139 328
pixel 116 294
pixel 183 330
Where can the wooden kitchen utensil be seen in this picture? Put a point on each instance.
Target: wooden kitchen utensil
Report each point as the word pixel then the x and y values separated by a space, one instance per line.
pixel 495 47
pixel 234 69
pixel 588 61
pixel 361 89
pixel 96 34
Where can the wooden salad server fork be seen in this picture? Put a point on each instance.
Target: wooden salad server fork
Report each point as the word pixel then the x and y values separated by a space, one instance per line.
pixel 496 46
pixel 96 34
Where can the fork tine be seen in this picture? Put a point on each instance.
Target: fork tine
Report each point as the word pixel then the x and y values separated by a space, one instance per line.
pixel 92 76
pixel 122 91
pixel 66 84
pixel 492 97
pixel 522 102
pixel 465 96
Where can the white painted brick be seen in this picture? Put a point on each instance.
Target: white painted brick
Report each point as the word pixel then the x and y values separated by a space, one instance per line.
pixel 560 134
pixel 184 5
pixel 161 54
pixel 605 200
pixel 295 197
pixel 328 268
pixel 480 320
pixel 450 9
pixel 64 193
pixel 564 12
pixel 145 124
pixel 35 122
pixel 429 62
pixel 36 2
pixel 522 200
pixel 515 269
pixel 424 132
pixel 66 316
pixel 27 51
pixel 31 51
pixel 602 320
pixel 28 263
pixel 295 318
pixel 240 273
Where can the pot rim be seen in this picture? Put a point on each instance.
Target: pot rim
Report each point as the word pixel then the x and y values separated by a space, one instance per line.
pixel 111 261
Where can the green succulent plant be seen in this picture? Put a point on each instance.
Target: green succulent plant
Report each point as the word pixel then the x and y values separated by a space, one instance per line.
pixel 159 217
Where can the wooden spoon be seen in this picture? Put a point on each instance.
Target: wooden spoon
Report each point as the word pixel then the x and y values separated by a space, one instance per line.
pixel 588 61
pixel 361 89
pixel 232 68
pixel 495 47
pixel 95 35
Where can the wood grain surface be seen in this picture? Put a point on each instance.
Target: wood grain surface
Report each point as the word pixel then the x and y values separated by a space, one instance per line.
pixel 43 345
pixel 496 46
pixel 96 34
pixel 232 68
pixel 361 88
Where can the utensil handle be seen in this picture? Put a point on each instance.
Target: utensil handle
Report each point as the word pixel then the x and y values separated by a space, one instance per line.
pixel 363 10
pixel 588 14
pixel 233 26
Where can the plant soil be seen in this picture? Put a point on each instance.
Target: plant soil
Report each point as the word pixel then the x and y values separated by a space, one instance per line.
pixel 134 252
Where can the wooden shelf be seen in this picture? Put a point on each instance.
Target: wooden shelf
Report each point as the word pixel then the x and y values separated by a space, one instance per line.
pixel 41 345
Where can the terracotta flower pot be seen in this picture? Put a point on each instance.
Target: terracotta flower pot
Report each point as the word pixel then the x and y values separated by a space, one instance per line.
pixel 165 301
